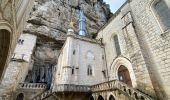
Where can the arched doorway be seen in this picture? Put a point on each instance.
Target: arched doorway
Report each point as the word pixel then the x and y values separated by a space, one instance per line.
pixel 124 76
pixel 91 98
pixel 100 98
pixel 20 96
pixel 111 98
pixel 4 48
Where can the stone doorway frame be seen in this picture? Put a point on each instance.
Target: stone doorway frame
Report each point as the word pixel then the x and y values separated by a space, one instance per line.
pixel 116 65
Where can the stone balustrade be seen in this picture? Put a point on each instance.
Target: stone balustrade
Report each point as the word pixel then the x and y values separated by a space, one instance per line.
pixel 20 57
pixel 72 88
pixel 32 86
pixel 123 88
pixel 63 88
pixel 42 95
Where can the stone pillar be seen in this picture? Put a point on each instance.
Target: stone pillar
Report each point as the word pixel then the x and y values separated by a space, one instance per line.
pixel 67 57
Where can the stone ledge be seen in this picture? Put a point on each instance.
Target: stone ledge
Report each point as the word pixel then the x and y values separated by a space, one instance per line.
pixel 84 39
pixel 72 88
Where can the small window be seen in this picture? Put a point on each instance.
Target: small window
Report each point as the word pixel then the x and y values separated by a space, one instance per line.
pixel 103 57
pixel 72 71
pixel 104 73
pixel 74 52
pixel 89 71
pixel 20 41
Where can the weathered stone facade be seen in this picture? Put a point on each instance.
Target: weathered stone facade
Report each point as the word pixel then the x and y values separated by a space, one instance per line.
pixel 129 59
pixel 13 17
pixel 143 42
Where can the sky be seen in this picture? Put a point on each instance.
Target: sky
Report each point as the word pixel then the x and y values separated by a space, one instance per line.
pixel 115 4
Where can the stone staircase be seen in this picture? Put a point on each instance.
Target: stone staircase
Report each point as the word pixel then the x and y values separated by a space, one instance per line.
pixel 30 90
pixel 43 95
pixel 63 88
pixel 4 93
pixel 114 85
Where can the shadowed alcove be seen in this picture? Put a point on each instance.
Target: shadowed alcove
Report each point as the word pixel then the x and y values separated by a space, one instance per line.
pixel 4 48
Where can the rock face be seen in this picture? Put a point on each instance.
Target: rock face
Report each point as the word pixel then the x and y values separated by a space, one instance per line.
pixel 50 20
pixel 52 17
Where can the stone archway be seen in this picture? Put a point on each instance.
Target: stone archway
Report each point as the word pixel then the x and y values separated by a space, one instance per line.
pixel 111 97
pixel 20 96
pixel 91 98
pixel 4 48
pixel 124 76
pixel 100 98
pixel 121 61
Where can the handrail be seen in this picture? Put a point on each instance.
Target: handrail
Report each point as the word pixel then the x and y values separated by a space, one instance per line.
pixel 32 85
pixel 122 87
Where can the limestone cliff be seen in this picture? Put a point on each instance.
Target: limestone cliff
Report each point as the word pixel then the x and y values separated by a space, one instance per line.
pixel 52 17
pixel 50 20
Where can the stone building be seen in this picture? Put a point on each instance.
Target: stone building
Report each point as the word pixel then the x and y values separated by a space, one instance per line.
pixel 13 17
pixel 129 59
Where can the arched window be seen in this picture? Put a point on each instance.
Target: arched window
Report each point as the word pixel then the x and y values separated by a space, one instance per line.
pixel 89 70
pixel 111 97
pixel 100 98
pixel 117 46
pixel 162 13
pixel 91 98
pixel 90 55
pixel 20 96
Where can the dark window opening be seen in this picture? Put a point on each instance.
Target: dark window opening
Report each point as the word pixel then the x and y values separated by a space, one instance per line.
pixel 20 96
pixel 100 98
pixel 117 46
pixel 20 41
pixel 104 73
pixel 74 52
pixel 72 71
pixel 89 71
pixel 111 98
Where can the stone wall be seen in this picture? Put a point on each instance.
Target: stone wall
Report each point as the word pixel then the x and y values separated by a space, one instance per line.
pixel 10 12
pixel 19 65
pixel 143 43
pixel 154 44
pixel 76 55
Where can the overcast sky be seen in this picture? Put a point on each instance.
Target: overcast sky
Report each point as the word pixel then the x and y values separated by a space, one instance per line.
pixel 115 4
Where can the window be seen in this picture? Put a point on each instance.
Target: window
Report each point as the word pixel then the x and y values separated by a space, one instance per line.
pixel 20 96
pixel 89 71
pixel 117 46
pixel 162 13
pixel 20 41
pixel 74 52
pixel 72 71
pixel 104 73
